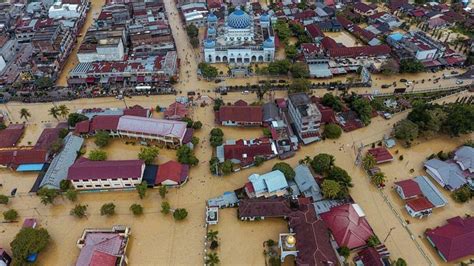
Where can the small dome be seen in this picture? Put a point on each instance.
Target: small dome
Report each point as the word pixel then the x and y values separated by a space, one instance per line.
pixel 290 240
pixel 211 17
pixel 264 17
pixel 211 30
pixel 239 20
pixel 208 43
pixel 269 43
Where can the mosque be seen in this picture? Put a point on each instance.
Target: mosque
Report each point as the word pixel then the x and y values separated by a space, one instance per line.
pixel 240 39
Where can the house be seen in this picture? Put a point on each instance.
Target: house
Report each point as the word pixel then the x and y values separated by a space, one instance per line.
pixel 137 110
pixel 240 115
pixel 176 111
pixel 363 9
pixel 448 175
pixel 172 173
pixel 212 215
pixel 5 259
pixel 314 32
pixel 11 135
pixel 348 225
pixel 105 247
pixel 267 185
pixel 408 189
pixel 244 152
pixel 454 240
pixel 261 208
pixel 85 174
pixel 464 157
pixel 305 116
pixel 306 183
pixel 227 199
pixel 270 112
pixel 381 155
pixel 430 191
pixel 419 207
pixel 372 256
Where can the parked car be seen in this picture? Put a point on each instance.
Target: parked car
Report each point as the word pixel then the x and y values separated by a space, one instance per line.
pixel 218 80
pixel 245 92
pixel 384 86
pixel 459 82
pixel 454 72
pixel 403 80
pixel 387 115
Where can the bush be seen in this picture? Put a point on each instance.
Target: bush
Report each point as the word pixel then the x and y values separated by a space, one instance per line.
pixel 373 241
pixel 214 245
pixel 4 199
pixel 10 215
pixel 65 185
pixel 71 195
pixel 163 191
pixel 267 133
pixel 462 194
pixel 63 133
pixel 47 195
pixel 331 189
pixel 185 156
pixel 259 160
pixel 97 155
pixel 322 163
pixel 344 251
pixel 400 262
pixel 180 214
pixel 29 241
pixel 75 118
pixel 332 131
pixel 286 169
pixel 148 154
pixel 141 189
pixel 136 209
pixel 165 207
pixel 227 167
pixel 107 209
pixel 217 137
pixel 79 211
pixel 197 125
pixel 102 139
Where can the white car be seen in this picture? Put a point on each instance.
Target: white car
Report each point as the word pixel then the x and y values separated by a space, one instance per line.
pixel 245 92
pixel 459 82
pixel 387 115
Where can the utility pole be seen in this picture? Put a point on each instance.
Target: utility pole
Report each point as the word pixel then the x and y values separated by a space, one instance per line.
pixel 389 232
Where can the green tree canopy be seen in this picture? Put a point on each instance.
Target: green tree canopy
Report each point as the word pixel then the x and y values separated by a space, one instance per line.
pixel 192 31
pixel 411 65
pixel 4 199
pixel 363 109
pixel 165 207
pixel 344 251
pixel 79 211
pixel 71 195
pixel 291 51
pixel 286 169
pixel 65 185
pixel 136 209
pixel 227 167
pixel 340 175
pixel 43 83
pixel 102 139
pixel 299 85
pixel 369 162
pixel 141 189
pixel 332 131
pixel 10 215
pixel 378 179
pixel 107 209
pixel 207 70
pixel 217 137
pixel 322 163
pixel 373 241
pixel 75 118
pixel 29 241
pixel 47 195
pixel 186 156
pixel 299 70
pixel 406 130
pixel 400 262
pixel 163 191
pixel 279 67
pixel 331 189
pixel 332 101
pixel 24 113
pixel 97 155
pixel 148 154
pixel 180 214
pixel 460 119
pixel 283 30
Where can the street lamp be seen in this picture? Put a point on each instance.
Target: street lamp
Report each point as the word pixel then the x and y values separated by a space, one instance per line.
pixel 389 232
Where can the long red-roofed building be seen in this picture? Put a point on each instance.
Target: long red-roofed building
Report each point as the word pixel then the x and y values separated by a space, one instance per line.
pixel 240 115
pixel 11 135
pixel 244 152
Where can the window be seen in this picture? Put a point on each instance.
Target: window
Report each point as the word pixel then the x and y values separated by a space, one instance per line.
pixel 106 185
pixel 114 179
pixel 97 185
pixel 89 186
pixel 128 185
pixel 80 186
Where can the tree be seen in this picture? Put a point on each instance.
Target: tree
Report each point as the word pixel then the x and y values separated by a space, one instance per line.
pixel 212 259
pixel 189 122
pixel 217 137
pixel 43 83
pixel 4 199
pixel 10 215
pixel 102 139
pixel 322 163
pixel 214 165
pixel 2 126
pixel 262 90
pixel 65 185
pixel 148 154
pixel 63 110
pixel 259 160
pixel 163 191
pixel 24 113
pixel 136 209
pixel 71 195
pixel 267 133
pixel 47 195
pixel 368 162
pixel 344 251
pixel 180 214
pixel 97 155
pixel 283 31
pixel 400 262
pixel 406 130
pixel 373 241
pixel 332 131
pixel 141 189
pixel 390 67
pixel 217 104
pixel 363 109
pixel 214 245
pixel 331 189
pixel 165 207
pixel 208 71
pixel 291 51
pixel 299 85
pixel 195 141
pixel 192 31
pixel 194 42
pixel 227 167
pixel 63 132
pixel 286 169
pixel 212 235
pixel 462 194
pixel 185 156
pixel 299 70
pixel 340 175
pixel 79 211
pixel 197 125
pixel 332 101
pixel 378 179
pixel 279 67
pixel 460 119
pixel 411 65
pixel 56 146
pixel 27 242
pixel 107 209
pixel 75 118
pixel 54 112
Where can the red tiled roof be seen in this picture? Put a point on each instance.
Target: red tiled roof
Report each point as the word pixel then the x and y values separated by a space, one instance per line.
pixel 104 122
pixel 419 204
pixel 328 43
pixel 377 50
pixel 247 152
pixel 252 114
pixel 305 14
pixel 82 127
pixel 410 188
pixel 381 154
pixel 349 229
pixel 172 170
pixel 176 111
pixel 314 31
pixel 102 259
pixel 241 103
pixel 271 207
pixel 47 137
pixel 362 7
pixel 370 256
pixel 13 158
pixel 454 240
pixel 85 169
pixel 136 110
pixel 312 238
pixel 11 135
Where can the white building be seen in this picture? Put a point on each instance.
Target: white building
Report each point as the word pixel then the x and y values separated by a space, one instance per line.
pixel 59 10
pixel 305 115
pixel 111 49
pixel 85 174
pixel 240 40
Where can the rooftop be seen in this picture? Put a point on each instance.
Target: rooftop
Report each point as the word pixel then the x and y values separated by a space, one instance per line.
pixel 152 126
pixel 84 169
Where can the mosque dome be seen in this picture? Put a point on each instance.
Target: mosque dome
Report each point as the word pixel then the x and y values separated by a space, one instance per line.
pixel 291 240
pixel 211 17
pixel 264 17
pixel 239 20
pixel 269 43
pixel 211 30
pixel 208 43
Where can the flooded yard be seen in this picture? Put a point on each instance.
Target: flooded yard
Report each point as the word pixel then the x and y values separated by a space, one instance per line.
pixel 344 38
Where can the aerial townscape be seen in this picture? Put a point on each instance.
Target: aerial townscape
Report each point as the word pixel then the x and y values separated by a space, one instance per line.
pixel 236 132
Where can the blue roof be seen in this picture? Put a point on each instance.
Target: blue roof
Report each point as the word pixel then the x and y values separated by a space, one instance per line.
pixel 239 20
pixel 209 43
pixel 30 167
pixel 211 30
pixel 397 36
pixel 211 17
pixel 430 191
pixel 271 182
pixel 269 43
pixel 264 17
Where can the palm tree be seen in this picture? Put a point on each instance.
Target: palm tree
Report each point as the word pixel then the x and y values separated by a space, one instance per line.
pixel 378 179
pixel 368 162
pixel 24 113
pixel 307 160
pixel 54 112
pixel 212 235
pixel 212 259
pixel 63 110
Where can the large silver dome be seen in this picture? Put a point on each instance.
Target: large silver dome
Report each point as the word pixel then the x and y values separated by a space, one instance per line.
pixel 239 20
